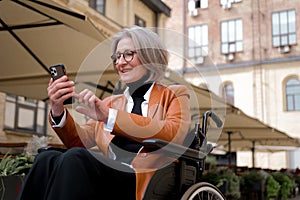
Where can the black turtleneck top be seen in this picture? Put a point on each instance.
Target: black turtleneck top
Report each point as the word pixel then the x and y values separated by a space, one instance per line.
pixel 124 148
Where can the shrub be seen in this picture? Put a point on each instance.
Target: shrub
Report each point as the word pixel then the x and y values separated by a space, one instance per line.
pixel 285 183
pixel 272 187
pixel 18 165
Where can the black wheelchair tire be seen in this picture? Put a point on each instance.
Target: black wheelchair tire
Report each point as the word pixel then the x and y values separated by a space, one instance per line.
pixel 203 191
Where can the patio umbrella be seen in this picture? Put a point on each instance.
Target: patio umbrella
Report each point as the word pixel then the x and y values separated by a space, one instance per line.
pixel 35 35
pixel 242 132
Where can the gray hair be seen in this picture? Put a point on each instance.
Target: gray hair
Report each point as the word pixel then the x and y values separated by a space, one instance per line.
pixel 149 47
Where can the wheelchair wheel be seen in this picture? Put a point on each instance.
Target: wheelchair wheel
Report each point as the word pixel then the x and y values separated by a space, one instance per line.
pixel 203 191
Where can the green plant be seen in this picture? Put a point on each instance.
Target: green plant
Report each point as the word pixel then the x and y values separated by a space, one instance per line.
pixel 252 183
pixel 251 178
pixel 232 181
pixel 211 159
pixel 297 179
pixel 272 187
pixel 227 181
pixel 285 183
pixel 17 165
pixel 211 177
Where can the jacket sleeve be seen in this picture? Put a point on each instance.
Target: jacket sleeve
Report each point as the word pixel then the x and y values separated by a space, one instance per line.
pixel 168 117
pixel 75 135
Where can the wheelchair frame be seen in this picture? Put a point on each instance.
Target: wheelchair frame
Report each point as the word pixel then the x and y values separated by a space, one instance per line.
pixel 188 170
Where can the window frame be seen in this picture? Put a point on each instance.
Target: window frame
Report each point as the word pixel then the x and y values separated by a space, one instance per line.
pixel 293 96
pixel 199 46
pixel 201 4
pixel 284 37
pixel 27 105
pixel 236 43
pixel 94 4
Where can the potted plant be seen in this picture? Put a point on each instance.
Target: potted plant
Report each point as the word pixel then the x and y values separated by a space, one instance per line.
pixel 285 184
pixel 12 171
pixel 253 184
pixel 232 182
pixel 297 183
pixel 272 188
pixel 210 161
pixel 227 182
pixel 212 177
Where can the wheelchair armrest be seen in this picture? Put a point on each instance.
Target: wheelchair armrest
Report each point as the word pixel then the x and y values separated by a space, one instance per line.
pixel 174 150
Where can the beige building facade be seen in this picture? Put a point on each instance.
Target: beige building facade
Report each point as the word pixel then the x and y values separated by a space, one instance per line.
pixel 253 47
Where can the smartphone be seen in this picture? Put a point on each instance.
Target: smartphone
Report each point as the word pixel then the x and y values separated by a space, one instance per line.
pixel 56 72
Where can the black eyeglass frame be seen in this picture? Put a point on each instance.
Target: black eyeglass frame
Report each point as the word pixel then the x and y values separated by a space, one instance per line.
pixel 117 56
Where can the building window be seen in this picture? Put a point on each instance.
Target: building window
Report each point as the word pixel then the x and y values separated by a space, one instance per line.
pixel 232 36
pixel 201 3
pixel 228 93
pixel 139 21
pixel 98 5
pixel 193 6
pixel 284 28
pixel 292 94
pixel 25 115
pixel 198 43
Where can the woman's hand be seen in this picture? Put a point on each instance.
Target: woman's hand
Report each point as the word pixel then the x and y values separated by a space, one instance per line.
pixel 59 91
pixel 94 107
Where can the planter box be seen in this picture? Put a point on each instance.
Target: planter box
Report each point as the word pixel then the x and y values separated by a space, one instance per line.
pixel 10 187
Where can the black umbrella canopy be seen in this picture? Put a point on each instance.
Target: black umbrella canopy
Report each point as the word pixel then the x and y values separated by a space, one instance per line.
pixel 35 35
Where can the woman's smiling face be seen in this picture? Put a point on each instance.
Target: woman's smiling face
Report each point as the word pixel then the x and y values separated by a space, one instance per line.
pixel 129 71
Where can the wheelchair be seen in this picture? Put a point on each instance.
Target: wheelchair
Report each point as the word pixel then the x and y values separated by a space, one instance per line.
pixel 182 180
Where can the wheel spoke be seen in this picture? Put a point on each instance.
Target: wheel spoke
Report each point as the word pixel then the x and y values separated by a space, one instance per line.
pixel 203 191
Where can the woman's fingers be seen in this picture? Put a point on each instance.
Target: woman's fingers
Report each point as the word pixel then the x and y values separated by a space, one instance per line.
pixel 83 110
pixel 87 97
pixel 94 106
pixel 61 83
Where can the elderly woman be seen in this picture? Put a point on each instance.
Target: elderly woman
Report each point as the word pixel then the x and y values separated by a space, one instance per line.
pixel 147 109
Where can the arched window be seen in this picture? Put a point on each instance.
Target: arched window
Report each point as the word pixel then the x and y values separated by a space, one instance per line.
pixel 228 93
pixel 292 89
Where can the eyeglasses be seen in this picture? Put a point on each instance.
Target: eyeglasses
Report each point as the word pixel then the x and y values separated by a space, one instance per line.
pixel 127 55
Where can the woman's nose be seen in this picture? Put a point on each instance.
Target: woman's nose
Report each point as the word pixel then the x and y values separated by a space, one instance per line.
pixel 121 61
pixel 119 66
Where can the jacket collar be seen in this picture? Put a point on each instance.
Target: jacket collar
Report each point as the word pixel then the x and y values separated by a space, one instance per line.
pixel 153 96
pixel 146 95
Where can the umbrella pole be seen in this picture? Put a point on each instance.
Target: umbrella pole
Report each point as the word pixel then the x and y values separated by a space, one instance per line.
pixel 229 147
pixel 253 153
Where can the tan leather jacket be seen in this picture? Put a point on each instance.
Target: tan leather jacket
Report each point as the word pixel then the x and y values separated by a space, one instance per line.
pixel 168 119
